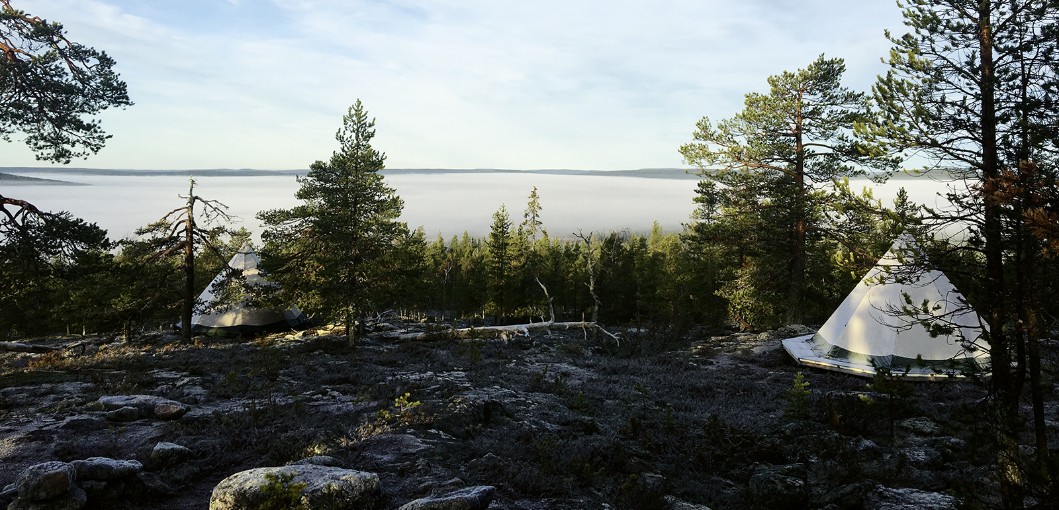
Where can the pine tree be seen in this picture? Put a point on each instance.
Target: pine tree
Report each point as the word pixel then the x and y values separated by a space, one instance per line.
pixel 971 88
pixel 788 143
pixel 331 252
pixel 51 85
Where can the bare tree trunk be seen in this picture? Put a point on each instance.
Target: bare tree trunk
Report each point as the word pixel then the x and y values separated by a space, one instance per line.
pixel 351 334
pixel 590 262
pixel 797 267
pixel 24 347
pixel 551 305
pixel 189 272
pixel 1004 388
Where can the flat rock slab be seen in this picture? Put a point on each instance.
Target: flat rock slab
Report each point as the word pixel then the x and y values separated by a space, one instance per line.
pixel 321 487
pixel 886 498
pixel 149 406
pixel 105 469
pixel 471 498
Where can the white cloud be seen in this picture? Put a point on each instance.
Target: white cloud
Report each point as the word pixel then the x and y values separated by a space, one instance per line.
pixel 571 84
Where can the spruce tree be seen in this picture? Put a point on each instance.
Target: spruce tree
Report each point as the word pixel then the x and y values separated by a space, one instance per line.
pixel 499 248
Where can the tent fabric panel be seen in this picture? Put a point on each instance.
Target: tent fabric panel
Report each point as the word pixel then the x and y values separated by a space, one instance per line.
pixel 239 315
pixel 868 329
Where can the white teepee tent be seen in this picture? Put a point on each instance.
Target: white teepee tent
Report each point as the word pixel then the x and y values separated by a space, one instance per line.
pixel 213 316
pixel 883 323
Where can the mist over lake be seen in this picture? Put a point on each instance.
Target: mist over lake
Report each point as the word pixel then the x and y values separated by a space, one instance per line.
pixel 442 203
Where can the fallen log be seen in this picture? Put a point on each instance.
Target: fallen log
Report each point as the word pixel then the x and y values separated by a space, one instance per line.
pixel 24 347
pixel 502 332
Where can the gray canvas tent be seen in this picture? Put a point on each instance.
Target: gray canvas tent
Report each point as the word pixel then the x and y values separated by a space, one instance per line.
pixel 212 316
pixel 882 323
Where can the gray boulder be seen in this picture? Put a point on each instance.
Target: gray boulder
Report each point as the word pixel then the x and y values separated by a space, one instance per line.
pixel 74 499
pixel 167 454
pixel 885 498
pixel 149 406
pixel 47 480
pixel 780 486
pixel 679 504
pixel 471 498
pixel 321 488
pixel 104 469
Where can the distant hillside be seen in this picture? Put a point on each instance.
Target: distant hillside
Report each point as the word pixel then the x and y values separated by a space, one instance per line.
pixel 11 179
pixel 649 173
pixel 643 173
pixel 206 172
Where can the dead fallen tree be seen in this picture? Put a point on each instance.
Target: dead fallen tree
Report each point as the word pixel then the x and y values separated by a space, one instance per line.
pixel 504 332
pixel 24 347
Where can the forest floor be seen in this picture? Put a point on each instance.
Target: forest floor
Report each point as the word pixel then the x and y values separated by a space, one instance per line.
pixel 558 419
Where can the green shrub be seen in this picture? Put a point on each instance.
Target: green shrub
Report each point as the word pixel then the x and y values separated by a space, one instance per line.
pixel 797 398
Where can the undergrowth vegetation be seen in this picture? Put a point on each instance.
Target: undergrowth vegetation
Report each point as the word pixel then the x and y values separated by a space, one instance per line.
pixel 556 417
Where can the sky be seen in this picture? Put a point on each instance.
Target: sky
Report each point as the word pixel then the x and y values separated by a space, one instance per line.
pixel 571 84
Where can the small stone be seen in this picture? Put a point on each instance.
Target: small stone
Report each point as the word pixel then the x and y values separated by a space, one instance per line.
pixel 105 469
pixel 471 498
pixel 167 454
pixel 45 481
pixel 170 410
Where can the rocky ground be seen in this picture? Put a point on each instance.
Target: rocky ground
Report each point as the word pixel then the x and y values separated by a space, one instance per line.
pixel 559 419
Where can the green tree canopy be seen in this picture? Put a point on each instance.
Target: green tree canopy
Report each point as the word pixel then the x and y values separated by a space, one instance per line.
pixel 971 89
pixel 330 252
pixel 39 252
pixel 501 260
pixel 50 86
pixel 787 144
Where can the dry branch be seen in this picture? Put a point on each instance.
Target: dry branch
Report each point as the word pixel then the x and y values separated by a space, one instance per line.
pixel 502 332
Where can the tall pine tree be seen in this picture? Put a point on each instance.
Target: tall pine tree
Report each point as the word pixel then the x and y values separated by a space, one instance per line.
pixel 330 253
pixel 788 144
pixel 971 88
